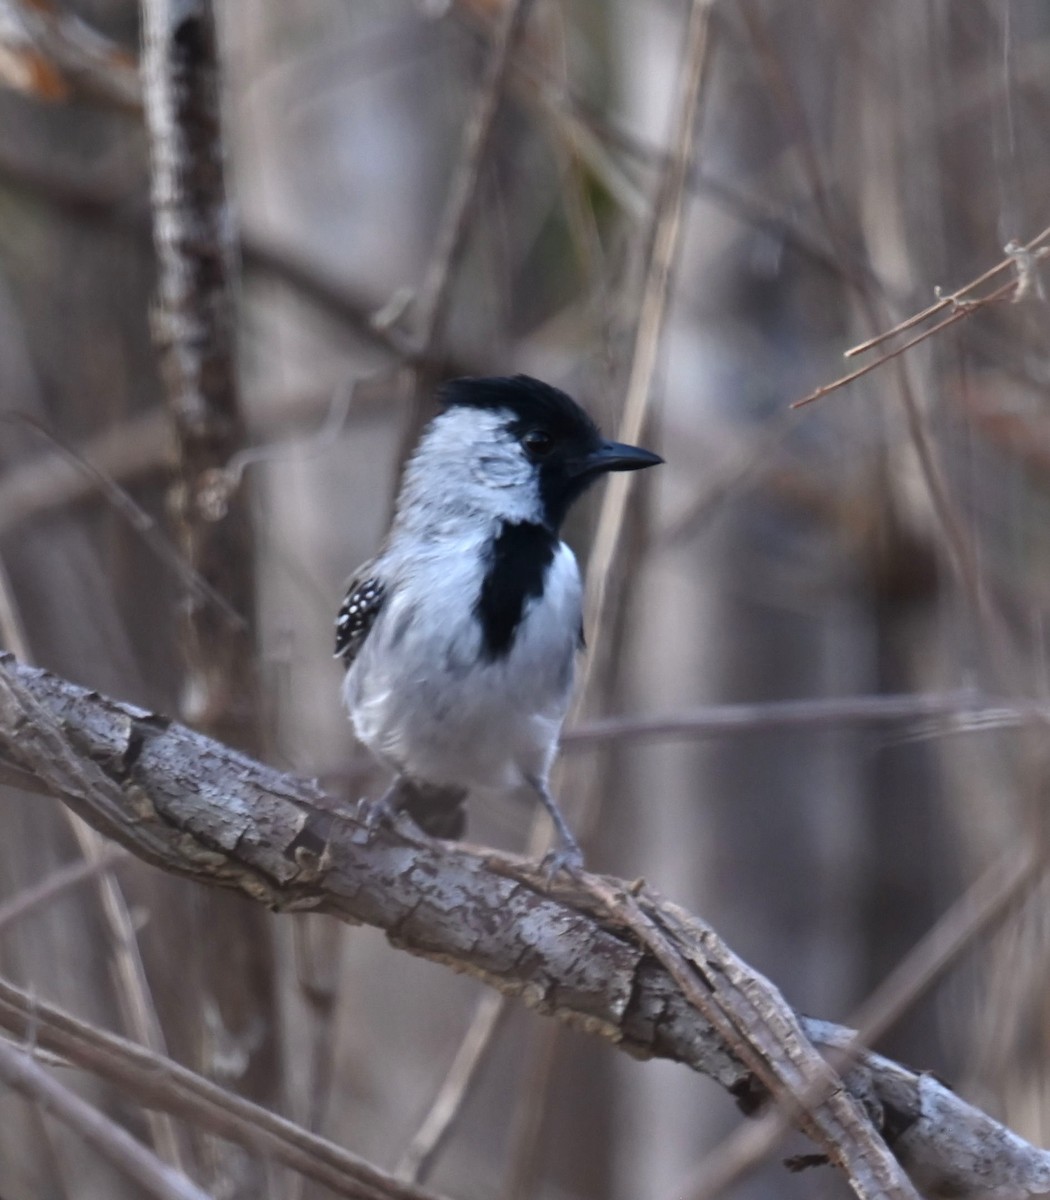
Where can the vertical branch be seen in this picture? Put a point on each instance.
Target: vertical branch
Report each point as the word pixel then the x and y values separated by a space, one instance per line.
pixel 231 969
pixel 602 606
pixel 195 333
pixel 134 998
pixel 462 201
pixel 435 291
pixel 667 220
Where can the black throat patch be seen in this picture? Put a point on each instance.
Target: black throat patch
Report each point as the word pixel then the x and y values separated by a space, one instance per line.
pixel 515 572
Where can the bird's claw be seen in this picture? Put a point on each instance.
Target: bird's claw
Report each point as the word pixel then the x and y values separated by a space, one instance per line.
pixel 567 858
pixel 374 813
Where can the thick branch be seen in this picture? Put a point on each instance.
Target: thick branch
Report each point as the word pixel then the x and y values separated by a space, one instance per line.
pixel 193 806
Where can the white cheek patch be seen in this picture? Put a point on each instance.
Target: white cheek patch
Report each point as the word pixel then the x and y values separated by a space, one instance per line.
pixel 501 469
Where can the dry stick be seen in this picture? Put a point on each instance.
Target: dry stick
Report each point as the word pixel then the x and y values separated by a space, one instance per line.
pixel 432 301
pixel 131 987
pixel 956 299
pixel 662 242
pixel 56 884
pixel 757 1026
pixel 195 330
pixel 158 1082
pixel 524 1161
pixel 965 310
pixel 668 214
pixel 432 305
pixel 962 711
pixel 960 547
pixel 983 906
pixel 140 521
pixel 114 1143
pixel 440 1121
pixel 195 326
pixel 197 808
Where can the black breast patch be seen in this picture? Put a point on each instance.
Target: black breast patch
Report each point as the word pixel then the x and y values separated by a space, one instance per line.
pixel 515 572
pixel 364 599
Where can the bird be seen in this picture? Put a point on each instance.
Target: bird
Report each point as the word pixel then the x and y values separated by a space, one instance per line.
pixel 460 637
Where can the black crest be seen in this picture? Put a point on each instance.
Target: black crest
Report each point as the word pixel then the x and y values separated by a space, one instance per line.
pixel 553 429
pixel 530 400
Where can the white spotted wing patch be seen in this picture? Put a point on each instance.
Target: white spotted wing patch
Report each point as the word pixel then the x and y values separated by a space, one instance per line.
pixel 364 599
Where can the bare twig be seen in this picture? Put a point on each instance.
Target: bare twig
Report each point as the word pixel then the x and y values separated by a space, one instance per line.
pixel 112 1141
pixel 959 299
pixel 990 900
pixel 195 330
pixel 158 1082
pixel 131 986
pixel 189 804
pixel 757 1026
pixel 668 219
pixel 140 521
pixel 951 712
pixel 660 242
pixel 967 309
pixel 432 301
pixel 56 884
pixel 12 631
pixel 441 1118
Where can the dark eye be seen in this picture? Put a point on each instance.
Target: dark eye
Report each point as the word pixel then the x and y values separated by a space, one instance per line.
pixel 538 443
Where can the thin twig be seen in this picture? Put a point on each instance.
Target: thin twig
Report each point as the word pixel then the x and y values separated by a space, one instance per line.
pixel 56 884
pixel 962 711
pixel 112 1141
pixel 140 521
pixel 432 301
pixel 965 310
pixel 758 1028
pixel 661 245
pixel 957 299
pixel 441 1118
pixel 131 987
pixel 648 334
pixel 983 906
pixel 12 631
pixel 159 1082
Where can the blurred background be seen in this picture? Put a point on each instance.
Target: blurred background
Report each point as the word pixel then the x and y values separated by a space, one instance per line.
pixel 848 164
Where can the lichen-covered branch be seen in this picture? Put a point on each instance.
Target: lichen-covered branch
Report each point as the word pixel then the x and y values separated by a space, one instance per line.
pixel 191 805
pixel 195 329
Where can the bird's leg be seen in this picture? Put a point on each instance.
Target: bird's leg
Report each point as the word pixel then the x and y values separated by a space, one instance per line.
pixel 435 811
pixel 373 813
pixel 568 856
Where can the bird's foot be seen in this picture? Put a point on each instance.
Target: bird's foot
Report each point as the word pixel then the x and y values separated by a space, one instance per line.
pixel 568 857
pixel 374 813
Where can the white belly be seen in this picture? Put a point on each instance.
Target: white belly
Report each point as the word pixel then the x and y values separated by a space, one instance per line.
pixel 423 699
